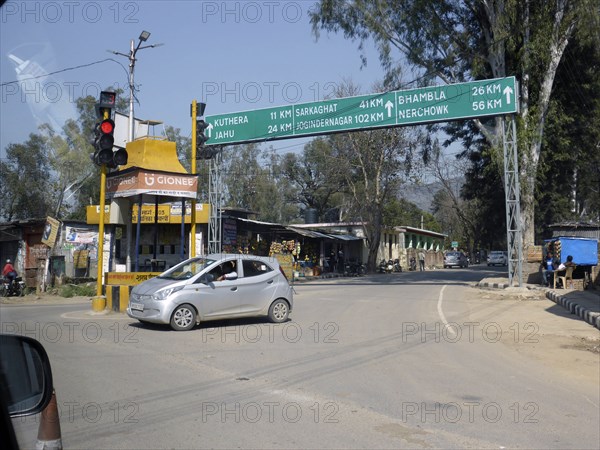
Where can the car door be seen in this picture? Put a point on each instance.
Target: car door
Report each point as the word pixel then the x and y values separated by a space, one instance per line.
pixel 257 285
pixel 215 299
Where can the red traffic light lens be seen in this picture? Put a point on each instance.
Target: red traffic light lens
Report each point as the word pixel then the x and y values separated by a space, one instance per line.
pixel 107 126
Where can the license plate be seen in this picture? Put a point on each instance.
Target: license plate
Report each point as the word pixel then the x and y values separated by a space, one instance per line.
pixel 137 306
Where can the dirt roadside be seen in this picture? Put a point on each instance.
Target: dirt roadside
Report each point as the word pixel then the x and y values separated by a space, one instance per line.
pixel 44 298
pixel 539 329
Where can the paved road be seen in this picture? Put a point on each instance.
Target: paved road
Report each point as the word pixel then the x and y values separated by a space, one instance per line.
pixel 411 360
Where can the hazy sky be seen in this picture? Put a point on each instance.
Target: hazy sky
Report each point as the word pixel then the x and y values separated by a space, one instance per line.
pixel 234 56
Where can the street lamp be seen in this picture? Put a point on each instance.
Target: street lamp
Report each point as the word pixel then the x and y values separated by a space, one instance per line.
pixel 144 35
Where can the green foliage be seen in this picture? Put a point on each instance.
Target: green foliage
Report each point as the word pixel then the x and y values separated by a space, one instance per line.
pixel 315 179
pixel 77 290
pixel 25 180
pixel 252 180
pixel 457 41
pixel 401 212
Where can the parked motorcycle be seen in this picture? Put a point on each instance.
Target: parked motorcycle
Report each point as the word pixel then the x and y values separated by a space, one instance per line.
pixel 389 268
pixel 355 268
pixel 17 288
pixel 397 266
pixel 382 266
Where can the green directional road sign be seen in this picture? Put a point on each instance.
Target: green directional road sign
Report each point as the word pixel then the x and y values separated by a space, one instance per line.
pixel 390 109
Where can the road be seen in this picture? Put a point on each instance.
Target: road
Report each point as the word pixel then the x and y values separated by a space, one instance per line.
pixel 409 360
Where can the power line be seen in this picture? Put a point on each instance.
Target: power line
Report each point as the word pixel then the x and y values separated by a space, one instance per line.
pixel 81 66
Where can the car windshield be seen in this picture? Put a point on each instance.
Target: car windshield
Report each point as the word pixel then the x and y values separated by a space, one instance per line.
pixel 187 269
pixel 453 254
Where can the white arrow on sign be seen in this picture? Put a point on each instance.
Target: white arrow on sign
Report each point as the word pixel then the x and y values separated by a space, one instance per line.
pixel 389 105
pixel 508 92
pixel 209 129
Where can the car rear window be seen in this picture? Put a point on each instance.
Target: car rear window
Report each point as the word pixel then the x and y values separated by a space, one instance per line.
pixel 452 254
pixel 253 268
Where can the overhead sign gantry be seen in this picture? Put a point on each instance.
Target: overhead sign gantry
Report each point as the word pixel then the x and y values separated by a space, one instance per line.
pixel 474 99
pixel 390 109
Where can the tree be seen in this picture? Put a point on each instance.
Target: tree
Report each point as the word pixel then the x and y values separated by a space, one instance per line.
pixel 25 180
pixel 373 164
pixel 456 41
pixel 399 211
pixel 316 179
pixel 252 180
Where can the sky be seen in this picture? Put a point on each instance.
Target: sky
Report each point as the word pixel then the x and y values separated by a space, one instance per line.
pixel 231 55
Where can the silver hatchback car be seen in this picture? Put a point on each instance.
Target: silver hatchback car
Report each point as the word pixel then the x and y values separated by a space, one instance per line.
pixel 452 259
pixel 213 287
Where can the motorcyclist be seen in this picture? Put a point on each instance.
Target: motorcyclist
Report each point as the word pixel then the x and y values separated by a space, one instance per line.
pixel 9 273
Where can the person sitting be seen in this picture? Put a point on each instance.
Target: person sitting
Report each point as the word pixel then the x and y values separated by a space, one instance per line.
pixel 229 272
pixel 548 267
pixel 568 263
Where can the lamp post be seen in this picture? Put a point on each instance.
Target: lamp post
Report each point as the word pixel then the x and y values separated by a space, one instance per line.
pixel 144 35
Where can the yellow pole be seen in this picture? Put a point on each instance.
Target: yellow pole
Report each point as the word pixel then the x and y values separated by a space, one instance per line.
pixel 193 212
pixel 99 302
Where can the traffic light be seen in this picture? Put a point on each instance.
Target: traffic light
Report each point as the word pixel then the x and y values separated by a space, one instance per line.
pixel 208 152
pixel 104 142
pixel 201 137
pixel 104 134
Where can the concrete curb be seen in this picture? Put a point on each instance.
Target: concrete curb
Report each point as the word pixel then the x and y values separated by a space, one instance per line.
pixel 324 276
pixel 588 316
pixel 487 285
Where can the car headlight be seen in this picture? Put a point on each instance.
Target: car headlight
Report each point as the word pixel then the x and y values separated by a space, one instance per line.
pixel 164 293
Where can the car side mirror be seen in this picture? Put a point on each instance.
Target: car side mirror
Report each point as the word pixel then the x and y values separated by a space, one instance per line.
pixel 208 278
pixel 25 375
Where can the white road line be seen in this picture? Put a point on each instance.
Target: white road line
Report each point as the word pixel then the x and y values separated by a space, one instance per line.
pixel 441 313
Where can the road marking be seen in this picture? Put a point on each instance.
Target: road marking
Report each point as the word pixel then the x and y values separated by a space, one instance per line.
pixel 441 313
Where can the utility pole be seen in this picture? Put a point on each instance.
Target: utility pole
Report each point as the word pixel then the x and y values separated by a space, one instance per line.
pixel 144 35
pixel 131 56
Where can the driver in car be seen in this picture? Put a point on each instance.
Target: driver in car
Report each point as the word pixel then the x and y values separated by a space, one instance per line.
pixel 228 271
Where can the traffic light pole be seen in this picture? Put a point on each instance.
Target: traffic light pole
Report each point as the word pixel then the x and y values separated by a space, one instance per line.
pixel 193 211
pixel 99 306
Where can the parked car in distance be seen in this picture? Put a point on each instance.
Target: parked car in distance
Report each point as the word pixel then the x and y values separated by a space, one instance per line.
pixel 497 258
pixel 213 287
pixel 452 259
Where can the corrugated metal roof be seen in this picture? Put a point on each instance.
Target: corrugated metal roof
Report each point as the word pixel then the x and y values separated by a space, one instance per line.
pixel 309 233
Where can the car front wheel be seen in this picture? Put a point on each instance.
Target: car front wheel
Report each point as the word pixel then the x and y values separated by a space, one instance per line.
pixel 183 318
pixel 279 311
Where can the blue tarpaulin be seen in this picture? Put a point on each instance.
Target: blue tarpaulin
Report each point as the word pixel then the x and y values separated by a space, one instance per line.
pixel 584 251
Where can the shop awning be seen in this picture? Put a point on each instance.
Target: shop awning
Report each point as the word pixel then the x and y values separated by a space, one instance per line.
pixel 345 237
pixel 310 233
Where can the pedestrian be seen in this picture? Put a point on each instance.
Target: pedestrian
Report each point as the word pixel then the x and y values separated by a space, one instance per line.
pixel 340 261
pixel 421 260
